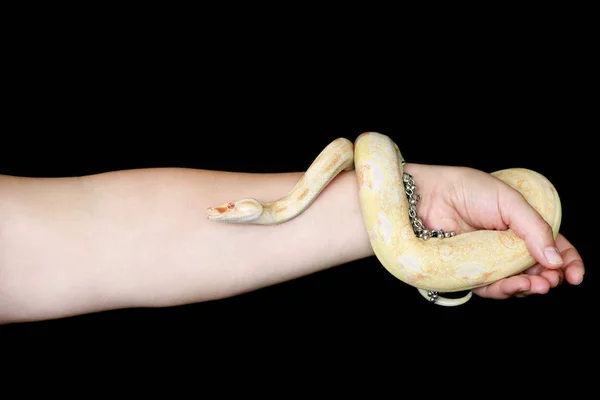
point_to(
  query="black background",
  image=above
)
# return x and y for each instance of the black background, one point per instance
(135, 94)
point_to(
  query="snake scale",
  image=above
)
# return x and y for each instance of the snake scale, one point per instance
(458, 263)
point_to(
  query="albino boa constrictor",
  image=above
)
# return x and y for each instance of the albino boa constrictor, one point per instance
(451, 264)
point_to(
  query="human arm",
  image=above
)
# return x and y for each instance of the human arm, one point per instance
(140, 238)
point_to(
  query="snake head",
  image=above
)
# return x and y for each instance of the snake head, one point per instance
(240, 211)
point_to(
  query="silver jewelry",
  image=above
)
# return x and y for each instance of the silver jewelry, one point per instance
(420, 230)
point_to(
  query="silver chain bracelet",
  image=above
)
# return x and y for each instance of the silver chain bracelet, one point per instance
(417, 223)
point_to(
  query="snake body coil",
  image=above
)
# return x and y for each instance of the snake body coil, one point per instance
(457, 263)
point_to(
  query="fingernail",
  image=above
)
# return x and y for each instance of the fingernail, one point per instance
(553, 256)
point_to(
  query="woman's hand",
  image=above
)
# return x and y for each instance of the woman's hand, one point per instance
(463, 199)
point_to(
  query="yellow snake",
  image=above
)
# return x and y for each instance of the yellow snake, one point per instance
(452, 264)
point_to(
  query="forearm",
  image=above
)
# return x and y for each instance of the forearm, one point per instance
(141, 239)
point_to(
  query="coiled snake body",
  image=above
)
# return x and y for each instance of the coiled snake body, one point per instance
(452, 264)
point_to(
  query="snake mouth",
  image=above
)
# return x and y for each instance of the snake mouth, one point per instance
(212, 212)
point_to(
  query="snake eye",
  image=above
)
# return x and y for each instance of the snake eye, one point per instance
(230, 205)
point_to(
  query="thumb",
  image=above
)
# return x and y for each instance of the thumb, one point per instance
(529, 225)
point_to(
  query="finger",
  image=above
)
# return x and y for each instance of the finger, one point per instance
(529, 225)
(554, 276)
(538, 285)
(518, 286)
(535, 270)
(504, 288)
(574, 268)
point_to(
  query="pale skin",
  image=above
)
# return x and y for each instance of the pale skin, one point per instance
(140, 238)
